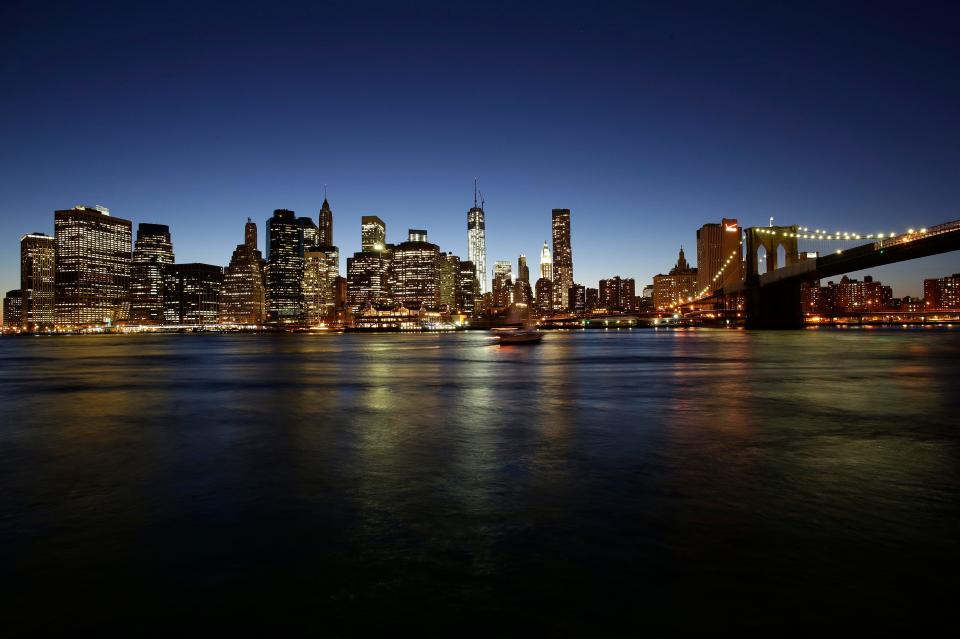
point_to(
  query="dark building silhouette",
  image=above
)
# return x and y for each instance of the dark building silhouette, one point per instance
(577, 296)
(242, 297)
(617, 294)
(191, 294)
(37, 272)
(544, 292)
(468, 288)
(92, 267)
(449, 280)
(152, 252)
(325, 225)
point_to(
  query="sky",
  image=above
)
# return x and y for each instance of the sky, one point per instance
(646, 120)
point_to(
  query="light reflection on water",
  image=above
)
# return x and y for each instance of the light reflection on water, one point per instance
(590, 479)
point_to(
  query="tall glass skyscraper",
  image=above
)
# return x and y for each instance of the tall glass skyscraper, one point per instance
(477, 240)
(373, 233)
(284, 269)
(92, 276)
(416, 268)
(562, 258)
(37, 263)
(152, 252)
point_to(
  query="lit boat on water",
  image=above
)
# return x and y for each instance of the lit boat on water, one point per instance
(508, 336)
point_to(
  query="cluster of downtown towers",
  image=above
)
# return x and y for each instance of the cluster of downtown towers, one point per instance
(92, 273)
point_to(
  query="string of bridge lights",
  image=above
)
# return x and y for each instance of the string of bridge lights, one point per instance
(708, 287)
(822, 234)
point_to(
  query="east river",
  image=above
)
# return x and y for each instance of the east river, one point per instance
(630, 481)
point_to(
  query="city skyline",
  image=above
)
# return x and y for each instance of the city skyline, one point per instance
(693, 128)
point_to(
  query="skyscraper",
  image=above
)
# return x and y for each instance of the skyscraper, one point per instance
(544, 296)
(152, 251)
(242, 294)
(669, 291)
(477, 240)
(37, 264)
(502, 283)
(284, 269)
(449, 280)
(562, 258)
(13, 310)
(546, 262)
(468, 288)
(373, 233)
(368, 279)
(191, 293)
(325, 225)
(416, 269)
(321, 267)
(716, 243)
(92, 266)
(522, 292)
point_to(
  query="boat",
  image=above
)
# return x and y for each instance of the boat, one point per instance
(508, 336)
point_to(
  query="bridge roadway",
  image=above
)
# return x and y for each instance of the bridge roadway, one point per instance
(774, 297)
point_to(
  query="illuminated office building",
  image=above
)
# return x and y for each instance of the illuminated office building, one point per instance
(242, 297)
(502, 283)
(13, 310)
(373, 234)
(368, 279)
(544, 290)
(716, 243)
(449, 280)
(617, 293)
(416, 271)
(477, 240)
(321, 268)
(191, 294)
(675, 288)
(562, 257)
(468, 288)
(152, 251)
(522, 292)
(309, 233)
(37, 271)
(284, 269)
(92, 267)
(578, 298)
(325, 225)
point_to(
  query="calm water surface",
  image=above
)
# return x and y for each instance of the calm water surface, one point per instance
(347, 484)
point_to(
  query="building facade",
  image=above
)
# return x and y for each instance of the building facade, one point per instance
(416, 271)
(544, 291)
(92, 267)
(152, 252)
(37, 272)
(243, 295)
(325, 225)
(449, 281)
(562, 257)
(942, 293)
(368, 279)
(284, 269)
(191, 294)
(477, 241)
(675, 288)
(617, 294)
(546, 262)
(13, 310)
(373, 234)
(502, 283)
(468, 288)
(719, 255)
(321, 268)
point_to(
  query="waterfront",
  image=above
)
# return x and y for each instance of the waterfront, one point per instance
(354, 483)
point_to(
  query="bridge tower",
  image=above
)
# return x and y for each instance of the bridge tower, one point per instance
(773, 305)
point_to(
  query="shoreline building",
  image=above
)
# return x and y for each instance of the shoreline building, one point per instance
(544, 300)
(562, 258)
(242, 296)
(416, 271)
(477, 240)
(671, 290)
(191, 294)
(91, 266)
(13, 310)
(37, 271)
(321, 268)
(468, 288)
(368, 271)
(502, 283)
(617, 294)
(450, 281)
(522, 292)
(716, 243)
(152, 252)
(942, 293)
(284, 269)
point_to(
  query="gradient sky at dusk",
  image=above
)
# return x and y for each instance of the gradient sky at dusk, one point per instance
(645, 121)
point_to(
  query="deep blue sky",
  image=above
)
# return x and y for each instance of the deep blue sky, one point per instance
(645, 121)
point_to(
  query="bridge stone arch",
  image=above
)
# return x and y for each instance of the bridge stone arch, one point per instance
(771, 238)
